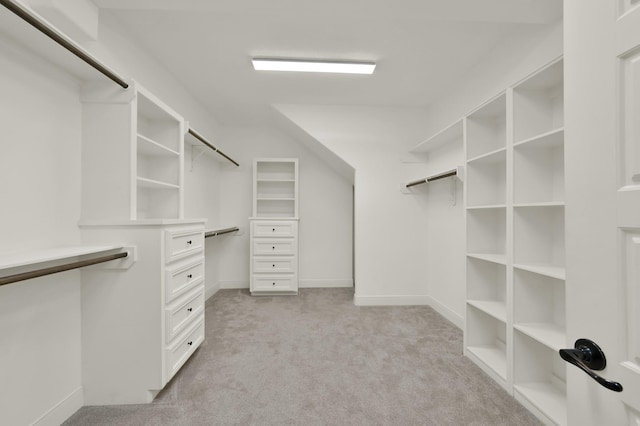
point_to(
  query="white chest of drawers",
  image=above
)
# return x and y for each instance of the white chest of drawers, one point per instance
(274, 256)
(140, 325)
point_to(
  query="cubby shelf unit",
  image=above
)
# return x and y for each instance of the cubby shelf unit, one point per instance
(515, 210)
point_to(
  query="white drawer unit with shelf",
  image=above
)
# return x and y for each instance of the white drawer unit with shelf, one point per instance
(274, 227)
(132, 155)
(140, 325)
(515, 218)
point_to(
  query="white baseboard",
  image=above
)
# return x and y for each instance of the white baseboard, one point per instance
(311, 283)
(233, 284)
(391, 300)
(62, 410)
(454, 317)
(421, 300)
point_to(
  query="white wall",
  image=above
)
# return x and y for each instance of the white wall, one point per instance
(40, 115)
(325, 209)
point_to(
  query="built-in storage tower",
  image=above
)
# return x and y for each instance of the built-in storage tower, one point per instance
(274, 227)
(515, 315)
(139, 324)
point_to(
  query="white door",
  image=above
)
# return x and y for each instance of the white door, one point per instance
(602, 128)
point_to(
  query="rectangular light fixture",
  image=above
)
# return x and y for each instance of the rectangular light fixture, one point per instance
(303, 65)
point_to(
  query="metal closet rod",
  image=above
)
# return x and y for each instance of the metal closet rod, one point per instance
(220, 232)
(9, 279)
(204, 141)
(432, 178)
(62, 40)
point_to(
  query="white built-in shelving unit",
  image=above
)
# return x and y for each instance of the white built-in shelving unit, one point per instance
(274, 227)
(514, 193)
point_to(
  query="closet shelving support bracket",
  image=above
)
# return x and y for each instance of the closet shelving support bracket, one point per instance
(199, 137)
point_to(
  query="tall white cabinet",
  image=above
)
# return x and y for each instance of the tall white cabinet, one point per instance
(274, 227)
(515, 315)
(139, 324)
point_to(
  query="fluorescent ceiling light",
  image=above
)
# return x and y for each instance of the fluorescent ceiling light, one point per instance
(301, 65)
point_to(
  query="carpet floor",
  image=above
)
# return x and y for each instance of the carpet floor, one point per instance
(316, 359)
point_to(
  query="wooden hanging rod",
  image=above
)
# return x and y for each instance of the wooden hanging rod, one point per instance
(204, 141)
(220, 232)
(9, 279)
(41, 25)
(432, 178)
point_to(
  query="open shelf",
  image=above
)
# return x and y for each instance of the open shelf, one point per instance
(486, 128)
(275, 188)
(538, 103)
(150, 148)
(487, 179)
(547, 270)
(539, 169)
(540, 378)
(486, 340)
(155, 184)
(157, 122)
(486, 287)
(449, 135)
(276, 171)
(539, 236)
(500, 259)
(486, 231)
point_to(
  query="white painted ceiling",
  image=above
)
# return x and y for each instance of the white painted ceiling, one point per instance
(421, 46)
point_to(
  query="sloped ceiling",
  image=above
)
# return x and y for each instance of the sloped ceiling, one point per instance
(421, 47)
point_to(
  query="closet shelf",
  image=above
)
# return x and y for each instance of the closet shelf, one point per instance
(152, 148)
(493, 357)
(540, 204)
(551, 335)
(490, 257)
(546, 397)
(274, 180)
(275, 199)
(450, 134)
(155, 184)
(23, 266)
(495, 308)
(496, 156)
(487, 207)
(552, 271)
(551, 139)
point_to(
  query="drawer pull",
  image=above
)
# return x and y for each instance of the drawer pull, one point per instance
(189, 242)
(273, 229)
(190, 276)
(274, 283)
(190, 343)
(273, 248)
(190, 309)
(273, 266)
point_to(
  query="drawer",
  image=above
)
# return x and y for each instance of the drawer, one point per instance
(180, 313)
(276, 246)
(262, 283)
(180, 351)
(275, 264)
(179, 244)
(181, 278)
(274, 229)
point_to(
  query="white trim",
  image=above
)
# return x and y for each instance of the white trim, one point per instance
(62, 410)
(448, 313)
(233, 284)
(325, 283)
(417, 300)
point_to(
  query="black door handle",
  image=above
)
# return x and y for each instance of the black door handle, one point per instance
(588, 356)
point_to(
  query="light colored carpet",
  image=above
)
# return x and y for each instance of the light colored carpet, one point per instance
(316, 359)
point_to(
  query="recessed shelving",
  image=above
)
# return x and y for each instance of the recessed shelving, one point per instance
(540, 377)
(275, 188)
(486, 128)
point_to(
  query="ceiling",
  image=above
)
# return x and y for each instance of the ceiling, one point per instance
(421, 47)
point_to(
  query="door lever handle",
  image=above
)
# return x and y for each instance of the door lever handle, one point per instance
(588, 356)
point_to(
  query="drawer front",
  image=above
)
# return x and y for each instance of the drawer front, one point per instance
(262, 283)
(274, 229)
(183, 243)
(275, 264)
(180, 279)
(277, 246)
(180, 351)
(179, 314)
